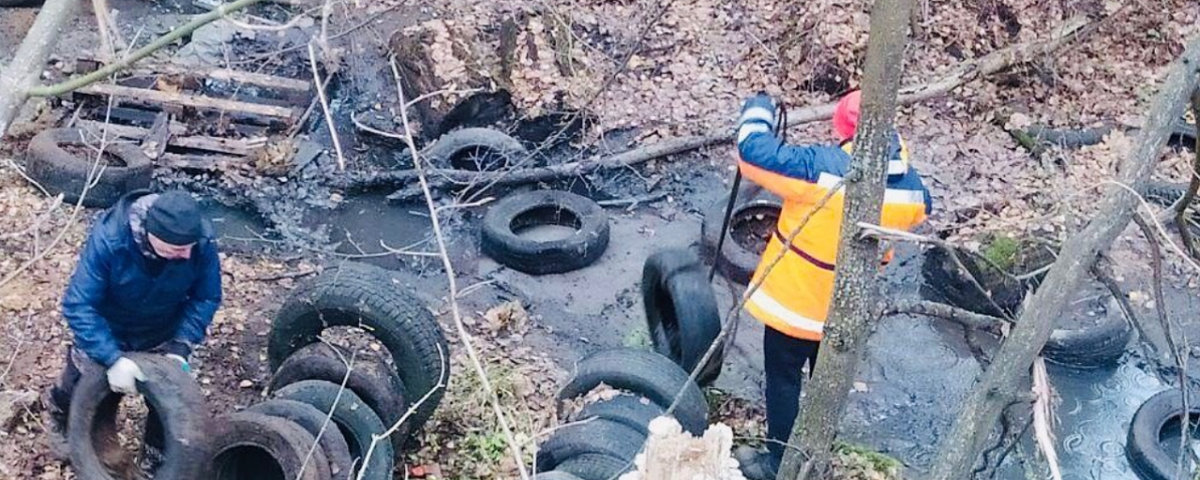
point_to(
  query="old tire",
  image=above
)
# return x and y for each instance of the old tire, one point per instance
(509, 216)
(476, 149)
(736, 262)
(171, 392)
(357, 422)
(1147, 457)
(254, 445)
(595, 437)
(371, 379)
(332, 443)
(633, 411)
(353, 294)
(1099, 343)
(594, 466)
(60, 171)
(644, 373)
(681, 311)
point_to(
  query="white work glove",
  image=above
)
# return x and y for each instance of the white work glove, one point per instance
(124, 375)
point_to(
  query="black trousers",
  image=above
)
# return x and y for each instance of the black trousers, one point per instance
(62, 390)
(783, 361)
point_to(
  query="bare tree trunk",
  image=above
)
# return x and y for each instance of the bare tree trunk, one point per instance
(996, 387)
(855, 308)
(23, 71)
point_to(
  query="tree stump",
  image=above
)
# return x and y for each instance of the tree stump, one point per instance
(672, 454)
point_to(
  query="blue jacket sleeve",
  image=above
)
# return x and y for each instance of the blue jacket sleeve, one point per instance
(204, 299)
(766, 151)
(81, 303)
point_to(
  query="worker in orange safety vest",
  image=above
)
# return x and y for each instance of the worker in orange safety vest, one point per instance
(794, 296)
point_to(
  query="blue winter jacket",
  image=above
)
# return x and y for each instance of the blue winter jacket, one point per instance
(114, 304)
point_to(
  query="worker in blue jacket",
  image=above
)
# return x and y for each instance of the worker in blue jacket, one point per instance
(148, 279)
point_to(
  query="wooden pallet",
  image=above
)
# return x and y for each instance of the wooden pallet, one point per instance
(167, 109)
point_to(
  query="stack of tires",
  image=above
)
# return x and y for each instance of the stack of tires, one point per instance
(347, 401)
(601, 439)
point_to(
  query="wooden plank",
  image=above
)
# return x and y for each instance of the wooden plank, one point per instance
(223, 145)
(198, 142)
(199, 162)
(87, 65)
(155, 97)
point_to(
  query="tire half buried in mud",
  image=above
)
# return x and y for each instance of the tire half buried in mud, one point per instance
(168, 390)
(60, 170)
(356, 294)
(1146, 454)
(1098, 342)
(476, 149)
(261, 447)
(506, 219)
(742, 251)
(681, 311)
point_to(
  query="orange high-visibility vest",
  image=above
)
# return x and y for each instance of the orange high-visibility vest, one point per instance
(795, 297)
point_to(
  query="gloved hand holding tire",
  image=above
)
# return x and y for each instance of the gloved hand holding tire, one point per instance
(124, 375)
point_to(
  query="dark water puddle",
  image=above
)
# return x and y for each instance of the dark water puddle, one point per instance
(236, 229)
(1094, 415)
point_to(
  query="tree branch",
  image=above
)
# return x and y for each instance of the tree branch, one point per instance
(966, 318)
(1185, 231)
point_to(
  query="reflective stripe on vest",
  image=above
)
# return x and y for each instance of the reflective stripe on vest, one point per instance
(771, 306)
(895, 167)
(891, 195)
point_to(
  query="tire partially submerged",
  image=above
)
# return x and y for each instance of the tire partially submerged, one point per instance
(681, 311)
(169, 391)
(476, 149)
(252, 445)
(61, 171)
(1099, 341)
(504, 221)
(355, 294)
(1146, 454)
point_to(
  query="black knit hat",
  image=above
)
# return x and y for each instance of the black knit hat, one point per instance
(174, 217)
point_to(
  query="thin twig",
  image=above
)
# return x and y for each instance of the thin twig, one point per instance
(283, 275)
(337, 399)
(337, 144)
(464, 336)
(376, 438)
(446, 91)
(957, 315)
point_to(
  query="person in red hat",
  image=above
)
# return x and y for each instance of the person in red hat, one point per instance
(794, 296)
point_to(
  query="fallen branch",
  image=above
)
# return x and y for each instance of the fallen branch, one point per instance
(966, 318)
(337, 144)
(283, 275)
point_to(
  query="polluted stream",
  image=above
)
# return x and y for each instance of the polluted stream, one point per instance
(905, 398)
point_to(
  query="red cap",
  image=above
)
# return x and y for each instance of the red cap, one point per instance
(845, 117)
